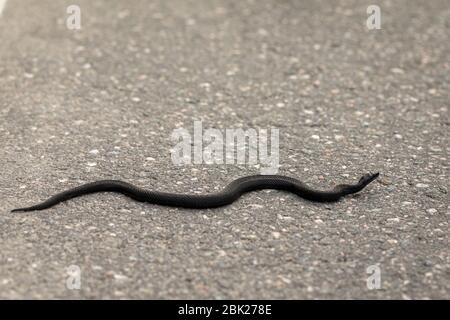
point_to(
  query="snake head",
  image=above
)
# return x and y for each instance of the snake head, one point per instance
(353, 188)
(368, 178)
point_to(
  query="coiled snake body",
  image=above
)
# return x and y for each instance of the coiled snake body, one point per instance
(228, 195)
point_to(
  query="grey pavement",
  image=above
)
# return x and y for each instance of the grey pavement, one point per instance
(102, 102)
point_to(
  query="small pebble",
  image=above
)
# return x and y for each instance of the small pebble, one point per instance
(397, 71)
(120, 277)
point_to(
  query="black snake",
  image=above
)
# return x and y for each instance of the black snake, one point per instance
(228, 195)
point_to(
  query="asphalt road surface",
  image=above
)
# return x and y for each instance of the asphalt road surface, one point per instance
(102, 102)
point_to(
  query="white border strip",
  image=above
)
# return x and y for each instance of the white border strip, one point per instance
(2, 6)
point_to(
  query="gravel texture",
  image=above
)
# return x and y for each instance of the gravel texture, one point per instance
(102, 102)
